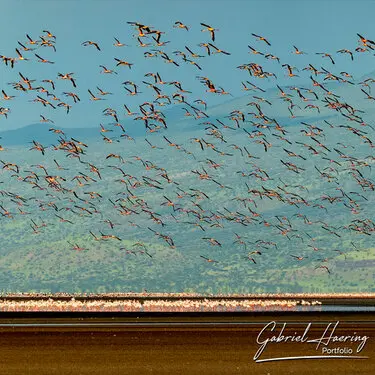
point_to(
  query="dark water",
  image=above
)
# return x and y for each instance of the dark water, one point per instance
(190, 349)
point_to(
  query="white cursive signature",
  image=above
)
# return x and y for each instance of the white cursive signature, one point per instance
(269, 334)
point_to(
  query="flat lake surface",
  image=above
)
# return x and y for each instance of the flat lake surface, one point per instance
(177, 344)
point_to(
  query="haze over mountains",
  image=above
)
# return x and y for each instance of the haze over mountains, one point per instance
(135, 179)
(178, 122)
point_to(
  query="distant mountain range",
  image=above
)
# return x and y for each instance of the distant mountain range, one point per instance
(177, 121)
(40, 132)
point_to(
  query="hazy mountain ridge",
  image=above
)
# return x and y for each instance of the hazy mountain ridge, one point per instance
(177, 121)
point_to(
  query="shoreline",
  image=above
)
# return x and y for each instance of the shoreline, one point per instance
(185, 302)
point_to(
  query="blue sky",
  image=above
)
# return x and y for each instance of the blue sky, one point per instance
(313, 26)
